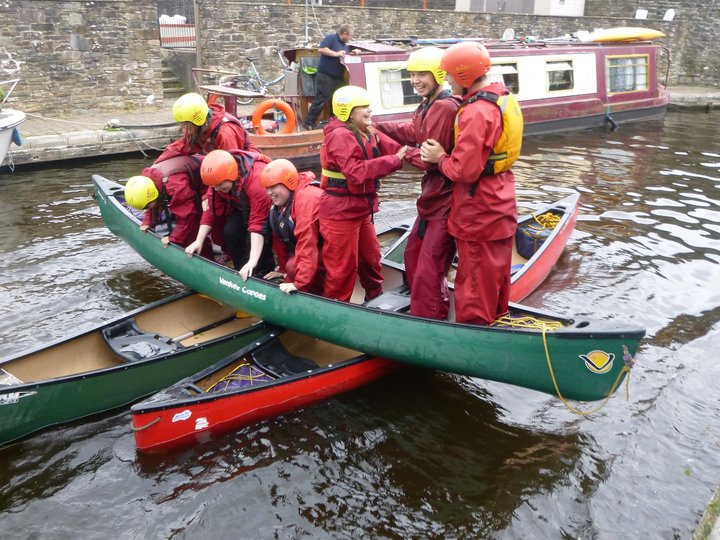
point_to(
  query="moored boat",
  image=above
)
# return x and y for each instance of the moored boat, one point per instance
(579, 359)
(279, 372)
(561, 84)
(118, 362)
(10, 119)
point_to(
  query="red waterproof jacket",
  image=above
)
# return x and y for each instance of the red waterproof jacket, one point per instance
(178, 181)
(343, 154)
(430, 121)
(225, 132)
(305, 210)
(483, 207)
(221, 204)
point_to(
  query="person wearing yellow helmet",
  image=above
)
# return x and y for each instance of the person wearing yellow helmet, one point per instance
(354, 157)
(430, 249)
(237, 206)
(170, 192)
(483, 211)
(205, 128)
(294, 223)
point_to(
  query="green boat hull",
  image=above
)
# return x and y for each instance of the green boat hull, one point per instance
(28, 408)
(584, 360)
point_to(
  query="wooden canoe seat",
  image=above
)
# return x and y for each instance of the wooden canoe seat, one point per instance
(397, 299)
(133, 344)
(276, 360)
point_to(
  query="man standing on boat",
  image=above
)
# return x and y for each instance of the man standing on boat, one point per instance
(483, 212)
(430, 249)
(330, 72)
(295, 225)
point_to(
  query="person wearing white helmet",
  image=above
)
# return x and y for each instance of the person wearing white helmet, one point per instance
(430, 249)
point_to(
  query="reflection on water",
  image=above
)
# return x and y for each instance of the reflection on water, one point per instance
(418, 454)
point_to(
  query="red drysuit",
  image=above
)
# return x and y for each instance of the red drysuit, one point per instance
(483, 213)
(430, 248)
(346, 208)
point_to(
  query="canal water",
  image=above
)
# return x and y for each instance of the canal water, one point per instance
(419, 454)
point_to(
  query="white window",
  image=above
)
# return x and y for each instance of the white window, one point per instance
(395, 89)
(627, 73)
(559, 76)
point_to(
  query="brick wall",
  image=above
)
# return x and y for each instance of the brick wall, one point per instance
(105, 54)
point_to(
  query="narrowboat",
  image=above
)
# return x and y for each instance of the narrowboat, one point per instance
(610, 78)
(10, 119)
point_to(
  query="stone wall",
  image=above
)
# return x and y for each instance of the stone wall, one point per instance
(105, 54)
(73, 56)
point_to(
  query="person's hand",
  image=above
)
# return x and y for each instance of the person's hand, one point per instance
(355, 51)
(340, 54)
(246, 271)
(165, 241)
(193, 248)
(144, 227)
(287, 288)
(274, 275)
(401, 153)
(431, 151)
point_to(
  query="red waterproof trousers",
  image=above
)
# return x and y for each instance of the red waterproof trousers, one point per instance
(482, 291)
(350, 244)
(427, 262)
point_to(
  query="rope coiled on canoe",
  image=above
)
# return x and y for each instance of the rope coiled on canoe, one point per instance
(527, 322)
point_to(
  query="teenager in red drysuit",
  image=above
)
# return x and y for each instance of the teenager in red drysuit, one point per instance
(238, 197)
(430, 248)
(205, 128)
(483, 213)
(295, 226)
(354, 158)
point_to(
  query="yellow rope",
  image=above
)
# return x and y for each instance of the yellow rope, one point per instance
(548, 220)
(559, 394)
(233, 376)
(528, 322)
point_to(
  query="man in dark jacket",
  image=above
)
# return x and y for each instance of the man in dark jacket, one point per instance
(331, 72)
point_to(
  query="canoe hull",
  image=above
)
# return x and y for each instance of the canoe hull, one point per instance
(27, 408)
(514, 356)
(167, 422)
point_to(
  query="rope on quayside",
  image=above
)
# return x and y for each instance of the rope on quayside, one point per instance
(532, 322)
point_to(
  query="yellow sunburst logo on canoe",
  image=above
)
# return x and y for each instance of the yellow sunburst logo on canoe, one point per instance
(598, 361)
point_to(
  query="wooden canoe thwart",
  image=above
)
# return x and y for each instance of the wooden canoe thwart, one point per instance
(578, 358)
(118, 362)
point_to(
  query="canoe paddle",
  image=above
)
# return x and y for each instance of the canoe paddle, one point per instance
(237, 315)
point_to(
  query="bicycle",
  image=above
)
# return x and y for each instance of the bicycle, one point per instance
(253, 81)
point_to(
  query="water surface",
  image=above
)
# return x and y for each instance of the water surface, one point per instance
(418, 454)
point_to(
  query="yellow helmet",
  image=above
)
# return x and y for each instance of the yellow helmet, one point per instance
(346, 98)
(191, 107)
(427, 59)
(140, 191)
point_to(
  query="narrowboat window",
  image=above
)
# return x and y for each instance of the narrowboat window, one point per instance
(626, 74)
(559, 76)
(507, 74)
(396, 90)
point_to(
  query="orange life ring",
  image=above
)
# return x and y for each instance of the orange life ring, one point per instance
(268, 104)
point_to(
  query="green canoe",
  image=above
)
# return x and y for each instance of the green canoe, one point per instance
(582, 359)
(119, 362)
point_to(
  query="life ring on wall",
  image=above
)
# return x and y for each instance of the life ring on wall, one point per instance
(265, 106)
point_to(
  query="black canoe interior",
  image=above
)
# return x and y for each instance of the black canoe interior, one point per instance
(288, 354)
(92, 351)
